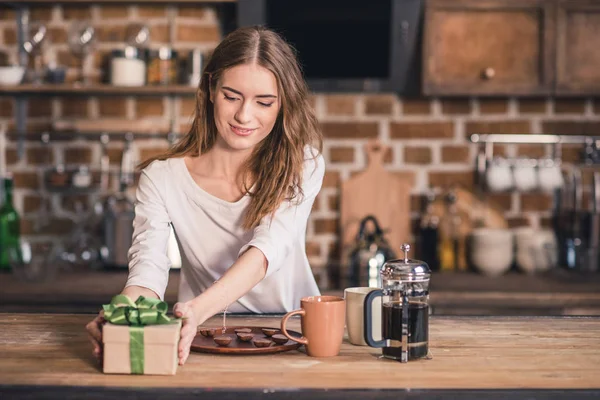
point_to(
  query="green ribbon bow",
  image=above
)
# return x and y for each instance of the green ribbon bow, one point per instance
(145, 311)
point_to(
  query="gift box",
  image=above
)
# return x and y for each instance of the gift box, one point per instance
(139, 338)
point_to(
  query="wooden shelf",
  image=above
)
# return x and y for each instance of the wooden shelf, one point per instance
(47, 89)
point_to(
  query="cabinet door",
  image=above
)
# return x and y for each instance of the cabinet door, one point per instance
(578, 47)
(488, 47)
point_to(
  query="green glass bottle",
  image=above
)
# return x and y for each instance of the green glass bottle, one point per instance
(10, 226)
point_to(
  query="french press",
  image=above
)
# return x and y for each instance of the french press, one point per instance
(405, 309)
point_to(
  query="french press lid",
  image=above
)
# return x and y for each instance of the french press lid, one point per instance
(405, 269)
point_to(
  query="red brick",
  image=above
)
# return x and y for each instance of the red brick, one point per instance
(74, 107)
(78, 155)
(197, 33)
(416, 106)
(151, 11)
(571, 127)
(455, 154)
(379, 105)
(493, 106)
(152, 152)
(340, 104)
(39, 156)
(112, 106)
(27, 180)
(7, 13)
(456, 106)
(188, 106)
(195, 11)
(11, 157)
(502, 201)
(331, 179)
(446, 179)
(40, 13)
(326, 226)
(40, 107)
(532, 106)
(111, 12)
(78, 13)
(114, 155)
(313, 249)
(112, 33)
(351, 130)
(6, 107)
(149, 107)
(417, 155)
(571, 153)
(31, 203)
(517, 222)
(536, 202)
(425, 130)
(333, 202)
(56, 226)
(510, 127)
(341, 154)
(10, 36)
(160, 33)
(569, 106)
(57, 35)
(531, 150)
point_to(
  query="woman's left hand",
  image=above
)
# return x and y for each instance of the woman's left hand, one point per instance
(188, 329)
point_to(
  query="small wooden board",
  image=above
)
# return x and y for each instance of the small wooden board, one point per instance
(207, 344)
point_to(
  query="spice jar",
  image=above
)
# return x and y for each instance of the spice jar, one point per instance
(162, 66)
(128, 67)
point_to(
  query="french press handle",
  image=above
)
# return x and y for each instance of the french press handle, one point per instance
(368, 317)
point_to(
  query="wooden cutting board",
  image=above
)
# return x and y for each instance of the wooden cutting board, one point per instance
(380, 193)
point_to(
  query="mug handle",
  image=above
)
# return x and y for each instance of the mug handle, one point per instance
(368, 316)
(287, 316)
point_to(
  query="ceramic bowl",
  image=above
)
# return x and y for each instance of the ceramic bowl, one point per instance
(11, 75)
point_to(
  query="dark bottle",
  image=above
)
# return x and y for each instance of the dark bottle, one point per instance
(428, 235)
(9, 226)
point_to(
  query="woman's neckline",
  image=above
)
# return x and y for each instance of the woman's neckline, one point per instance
(200, 190)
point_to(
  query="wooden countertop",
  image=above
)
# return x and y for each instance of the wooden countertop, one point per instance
(467, 353)
(556, 293)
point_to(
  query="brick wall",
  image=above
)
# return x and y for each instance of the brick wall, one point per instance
(427, 136)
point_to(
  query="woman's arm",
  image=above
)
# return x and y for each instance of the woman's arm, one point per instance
(243, 275)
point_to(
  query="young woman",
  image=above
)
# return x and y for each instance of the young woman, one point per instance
(237, 189)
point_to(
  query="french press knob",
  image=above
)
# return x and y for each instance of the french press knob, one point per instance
(405, 312)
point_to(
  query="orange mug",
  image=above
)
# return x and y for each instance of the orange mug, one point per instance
(322, 322)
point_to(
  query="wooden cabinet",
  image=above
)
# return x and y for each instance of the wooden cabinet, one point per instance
(488, 47)
(578, 47)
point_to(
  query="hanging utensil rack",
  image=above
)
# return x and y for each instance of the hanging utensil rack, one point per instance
(486, 150)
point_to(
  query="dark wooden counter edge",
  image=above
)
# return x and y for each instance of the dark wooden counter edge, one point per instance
(93, 393)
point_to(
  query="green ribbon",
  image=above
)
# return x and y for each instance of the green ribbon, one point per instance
(145, 311)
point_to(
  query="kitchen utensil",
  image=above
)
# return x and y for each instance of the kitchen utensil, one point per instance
(376, 192)
(368, 255)
(355, 323)
(32, 266)
(499, 176)
(525, 175)
(405, 309)
(12, 75)
(593, 254)
(206, 344)
(491, 250)
(322, 322)
(194, 67)
(118, 216)
(137, 34)
(38, 34)
(82, 39)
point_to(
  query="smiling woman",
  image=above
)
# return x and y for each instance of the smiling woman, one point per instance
(237, 190)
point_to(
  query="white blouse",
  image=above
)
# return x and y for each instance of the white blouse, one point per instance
(210, 237)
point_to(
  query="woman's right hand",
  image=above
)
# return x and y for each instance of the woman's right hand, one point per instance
(94, 329)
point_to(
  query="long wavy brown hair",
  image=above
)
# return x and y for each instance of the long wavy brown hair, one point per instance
(274, 169)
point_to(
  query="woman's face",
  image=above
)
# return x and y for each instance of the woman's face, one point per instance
(246, 104)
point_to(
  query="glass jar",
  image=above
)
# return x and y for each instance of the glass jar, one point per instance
(162, 66)
(128, 67)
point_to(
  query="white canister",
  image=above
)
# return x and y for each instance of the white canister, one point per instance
(128, 67)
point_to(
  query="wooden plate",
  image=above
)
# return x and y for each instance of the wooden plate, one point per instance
(207, 344)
